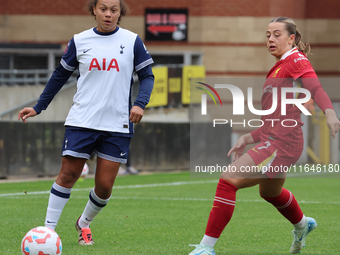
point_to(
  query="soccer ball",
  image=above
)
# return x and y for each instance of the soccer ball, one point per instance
(85, 171)
(41, 241)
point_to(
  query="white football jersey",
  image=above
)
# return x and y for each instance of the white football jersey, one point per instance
(106, 62)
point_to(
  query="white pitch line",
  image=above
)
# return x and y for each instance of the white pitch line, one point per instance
(191, 199)
(117, 187)
(159, 198)
(211, 199)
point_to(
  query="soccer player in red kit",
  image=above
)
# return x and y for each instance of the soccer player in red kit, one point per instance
(280, 145)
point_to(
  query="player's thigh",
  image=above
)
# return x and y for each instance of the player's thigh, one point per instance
(106, 172)
(111, 151)
(77, 148)
(243, 173)
(70, 171)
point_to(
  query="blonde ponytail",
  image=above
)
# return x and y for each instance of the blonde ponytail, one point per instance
(302, 46)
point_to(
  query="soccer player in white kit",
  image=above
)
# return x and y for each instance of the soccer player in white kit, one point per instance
(102, 115)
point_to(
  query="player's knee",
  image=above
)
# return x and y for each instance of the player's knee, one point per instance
(68, 176)
(103, 191)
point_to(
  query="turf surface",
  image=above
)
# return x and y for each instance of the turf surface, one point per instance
(164, 213)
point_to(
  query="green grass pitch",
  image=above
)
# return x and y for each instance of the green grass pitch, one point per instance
(164, 213)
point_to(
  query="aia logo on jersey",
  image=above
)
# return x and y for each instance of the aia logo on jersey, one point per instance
(104, 65)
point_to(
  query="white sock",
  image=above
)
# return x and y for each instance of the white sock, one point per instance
(301, 224)
(92, 208)
(58, 199)
(208, 240)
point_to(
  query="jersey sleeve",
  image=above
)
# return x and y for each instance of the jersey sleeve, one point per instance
(256, 135)
(142, 63)
(300, 68)
(62, 73)
(311, 82)
(146, 80)
(55, 83)
(69, 59)
(142, 57)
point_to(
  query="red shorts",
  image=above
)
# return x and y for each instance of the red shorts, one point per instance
(271, 159)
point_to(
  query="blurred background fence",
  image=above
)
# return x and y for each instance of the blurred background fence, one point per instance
(219, 38)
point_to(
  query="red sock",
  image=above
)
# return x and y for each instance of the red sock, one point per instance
(287, 205)
(223, 208)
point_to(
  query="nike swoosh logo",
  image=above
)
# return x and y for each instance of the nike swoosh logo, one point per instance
(122, 154)
(50, 221)
(301, 237)
(255, 150)
(87, 219)
(87, 50)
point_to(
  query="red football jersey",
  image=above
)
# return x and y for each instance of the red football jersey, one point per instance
(286, 73)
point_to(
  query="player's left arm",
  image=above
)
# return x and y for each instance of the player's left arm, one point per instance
(146, 80)
(311, 82)
(142, 63)
(333, 122)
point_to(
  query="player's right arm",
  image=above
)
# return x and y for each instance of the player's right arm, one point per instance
(59, 77)
(26, 113)
(240, 145)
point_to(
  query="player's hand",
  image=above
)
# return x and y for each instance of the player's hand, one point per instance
(136, 114)
(238, 148)
(333, 122)
(26, 113)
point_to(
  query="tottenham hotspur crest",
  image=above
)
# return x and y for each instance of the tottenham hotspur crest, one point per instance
(122, 47)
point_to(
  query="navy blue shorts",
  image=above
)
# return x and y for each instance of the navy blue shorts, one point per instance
(81, 142)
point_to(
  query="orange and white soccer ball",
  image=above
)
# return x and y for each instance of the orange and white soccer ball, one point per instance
(85, 171)
(41, 241)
